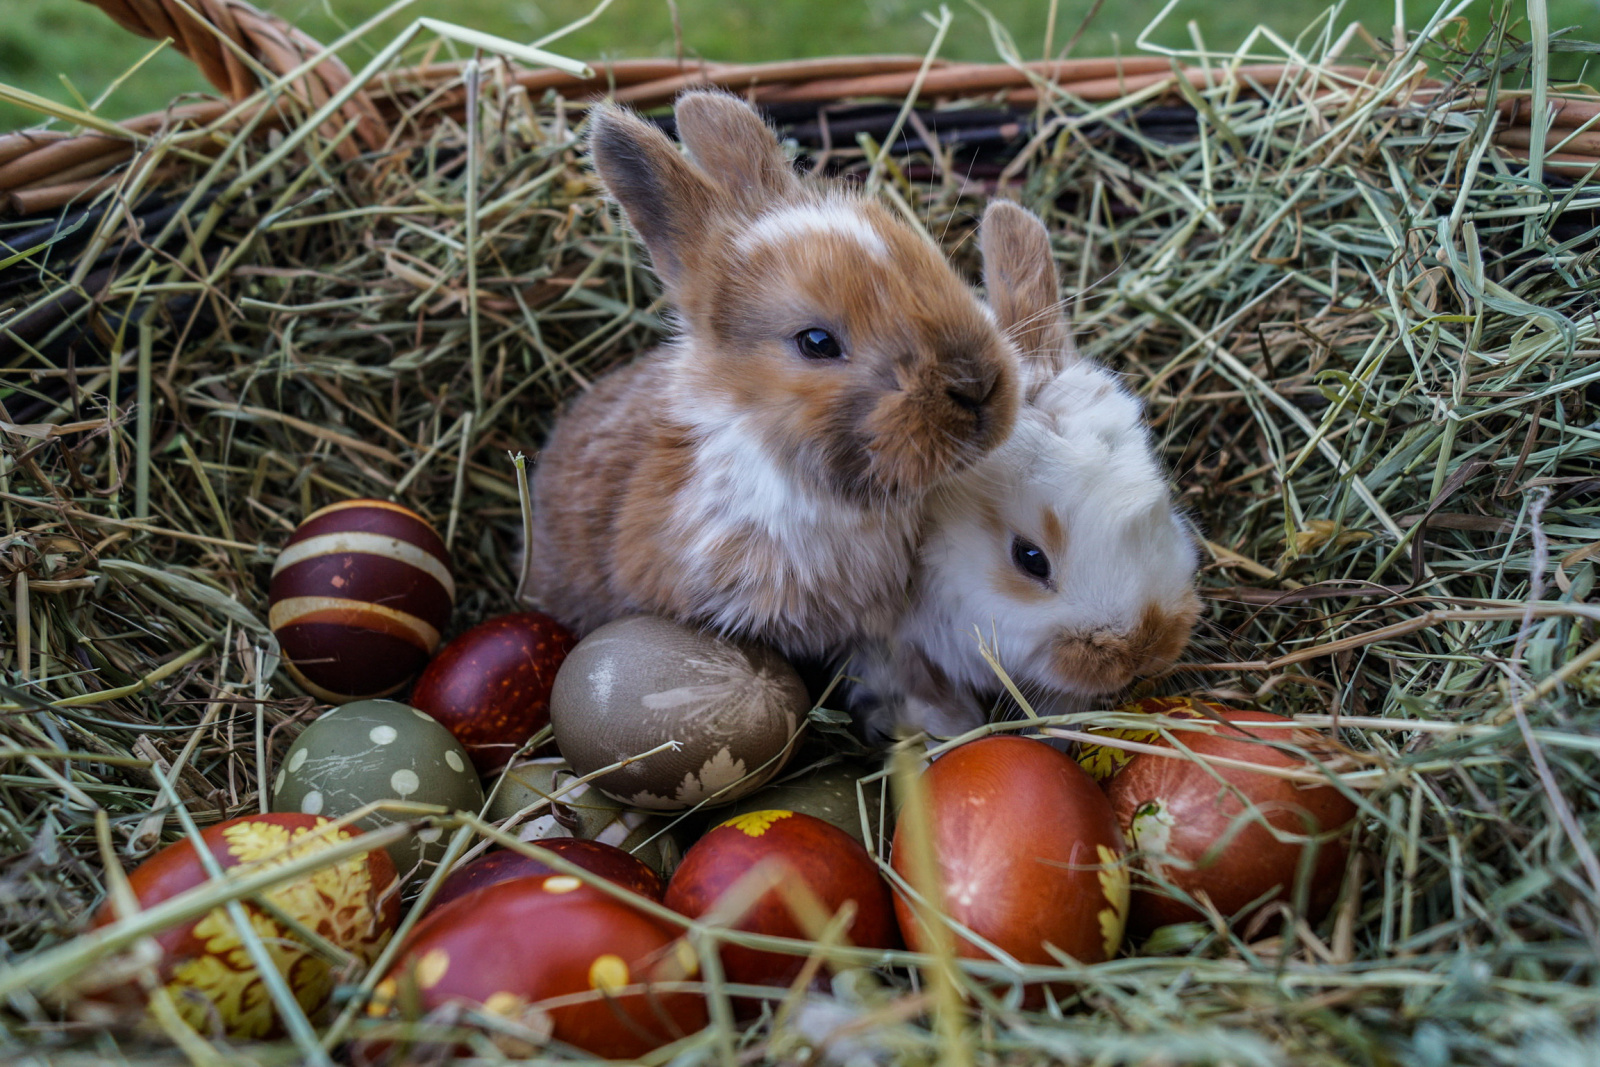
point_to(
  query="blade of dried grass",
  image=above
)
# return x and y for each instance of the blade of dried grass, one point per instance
(1332, 259)
(916, 821)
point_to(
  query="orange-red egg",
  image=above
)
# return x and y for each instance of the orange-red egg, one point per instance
(597, 857)
(805, 851)
(1104, 761)
(510, 948)
(1026, 850)
(205, 966)
(1231, 835)
(491, 686)
(358, 598)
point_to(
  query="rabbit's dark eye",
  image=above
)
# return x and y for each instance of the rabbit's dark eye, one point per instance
(1030, 559)
(818, 344)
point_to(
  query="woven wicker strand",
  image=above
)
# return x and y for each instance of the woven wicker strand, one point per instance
(230, 29)
(41, 170)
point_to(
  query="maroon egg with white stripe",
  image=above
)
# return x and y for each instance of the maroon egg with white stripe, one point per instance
(358, 599)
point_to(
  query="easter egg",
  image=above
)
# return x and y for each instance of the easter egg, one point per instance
(607, 861)
(491, 686)
(804, 850)
(564, 808)
(373, 750)
(733, 711)
(827, 792)
(358, 598)
(1026, 850)
(204, 964)
(1104, 761)
(1229, 834)
(509, 948)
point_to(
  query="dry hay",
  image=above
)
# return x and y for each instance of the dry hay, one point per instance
(1366, 332)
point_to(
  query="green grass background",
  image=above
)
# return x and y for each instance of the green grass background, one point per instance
(67, 48)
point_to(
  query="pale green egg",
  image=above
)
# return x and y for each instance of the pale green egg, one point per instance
(557, 805)
(827, 792)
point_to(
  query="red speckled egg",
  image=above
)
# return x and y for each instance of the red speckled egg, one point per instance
(1200, 815)
(358, 598)
(510, 947)
(491, 686)
(828, 861)
(608, 861)
(1104, 761)
(1027, 853)
(204, 964)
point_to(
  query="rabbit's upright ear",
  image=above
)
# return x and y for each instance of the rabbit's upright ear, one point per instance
(1019, 273)
(736, 149)
(667, 201)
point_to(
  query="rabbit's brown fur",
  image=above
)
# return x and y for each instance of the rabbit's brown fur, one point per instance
(725, 478)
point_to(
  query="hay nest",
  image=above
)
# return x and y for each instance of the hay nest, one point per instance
(1355, 279)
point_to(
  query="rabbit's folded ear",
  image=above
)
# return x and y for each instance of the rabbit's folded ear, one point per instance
(1019, 273)
(736, 149)
(667, 201)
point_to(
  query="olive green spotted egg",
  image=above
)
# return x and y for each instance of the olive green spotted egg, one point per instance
(373, 750)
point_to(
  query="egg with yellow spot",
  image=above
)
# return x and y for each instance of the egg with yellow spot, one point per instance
(377, 750)
(502, 865)
(832, 792)
(608, 973)
(521, 944)
(802, 852)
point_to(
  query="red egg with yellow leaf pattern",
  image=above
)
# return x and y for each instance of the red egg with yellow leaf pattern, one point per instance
(1027, 853)
(205, 966)
(1222, 833)
(510, 948)
(491, 686)
(805, 853)
(1103, 762)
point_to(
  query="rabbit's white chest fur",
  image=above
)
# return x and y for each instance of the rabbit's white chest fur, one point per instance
(767, 554)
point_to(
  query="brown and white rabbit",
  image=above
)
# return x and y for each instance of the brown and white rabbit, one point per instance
(763, 472)
(1061, 549)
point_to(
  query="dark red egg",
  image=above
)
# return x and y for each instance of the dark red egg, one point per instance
(1026, 850)
(358, 598)
(1233, 835)
(1103, 762)
(597, 857)
(204, 964)
(509, 948)
(491, 686)
(826, 860)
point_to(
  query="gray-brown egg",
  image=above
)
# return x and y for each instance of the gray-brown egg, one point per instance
(735, 712)
(374, 750)
(564, 807)
(828, 793)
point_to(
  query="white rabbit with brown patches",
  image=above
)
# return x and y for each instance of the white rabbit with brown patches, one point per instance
(1061, 549)
(763, 472)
